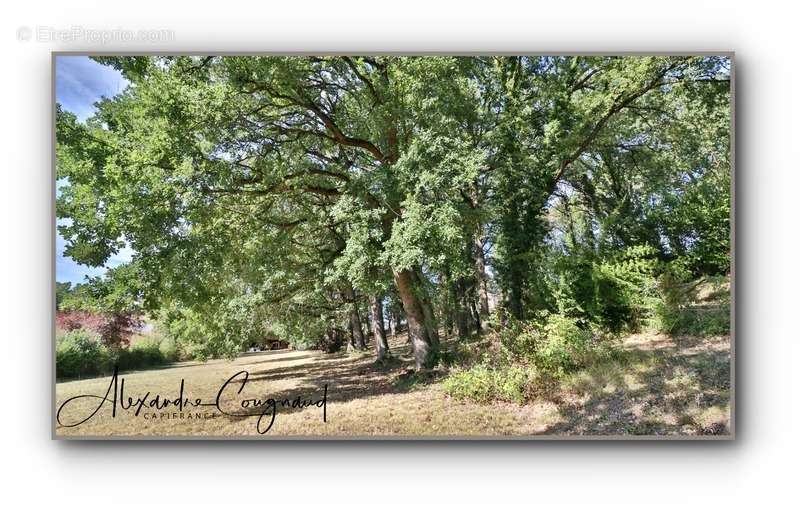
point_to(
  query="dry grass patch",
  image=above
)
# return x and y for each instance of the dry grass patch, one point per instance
(661, 385)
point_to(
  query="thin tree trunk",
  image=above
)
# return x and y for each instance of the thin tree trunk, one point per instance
(392, 323)
(358, 333)
(459, 312)
(368, 319)
(476, 315)
(515, 297)
(483, 288)
(355, 320)
(351, 340)
(423, 349)
(378, 331)
(398, 319)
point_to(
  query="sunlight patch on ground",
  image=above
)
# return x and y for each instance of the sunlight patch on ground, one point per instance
(667, 386)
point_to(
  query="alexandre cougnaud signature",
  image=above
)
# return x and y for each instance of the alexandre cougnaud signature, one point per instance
(265, 409)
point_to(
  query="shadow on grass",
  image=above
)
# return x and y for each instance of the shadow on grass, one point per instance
(349, 376)
(660, 392)
(677, 386)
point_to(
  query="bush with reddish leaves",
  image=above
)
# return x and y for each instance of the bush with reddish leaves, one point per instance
(115, 330)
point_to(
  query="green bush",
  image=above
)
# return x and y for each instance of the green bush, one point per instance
(626, 290)
(169, 349)
(527, 357)
(482, 383)
(518, 339)
(554, 343)
(565, 346)
(143, 353)
(700, 321)
(680, 311)
(615, 294)
(80, 354)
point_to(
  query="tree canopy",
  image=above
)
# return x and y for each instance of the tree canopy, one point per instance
(283, 194)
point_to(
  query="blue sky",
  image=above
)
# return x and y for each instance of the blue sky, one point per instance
(80, 82)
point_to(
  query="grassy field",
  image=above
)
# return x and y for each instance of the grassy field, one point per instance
(663, 386)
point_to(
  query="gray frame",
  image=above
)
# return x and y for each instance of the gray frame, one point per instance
(629, 438)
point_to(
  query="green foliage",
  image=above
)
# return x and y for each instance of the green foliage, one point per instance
(527, 358)
(80, 354)
(144, 353)
(680, 309)
(563, 346)
(169, 349)
(554, 343)
(257, 192)
(697, 321)
(196, 334)
(482, 383)
(626, 289)
(615, 294)
(62, 290)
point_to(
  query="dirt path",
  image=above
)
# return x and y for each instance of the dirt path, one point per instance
(667, 386)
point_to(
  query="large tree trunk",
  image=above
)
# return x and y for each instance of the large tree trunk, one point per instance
(422, 346)
(378, 331)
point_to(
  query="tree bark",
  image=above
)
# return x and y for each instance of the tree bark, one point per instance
(355, 320)
(476, 315)
(431, 326)
(358, 333)
(423, 349)
(483, 289)
(459, 310)
(392, 323)
(515, 297)
(378, 331)
(351, 340)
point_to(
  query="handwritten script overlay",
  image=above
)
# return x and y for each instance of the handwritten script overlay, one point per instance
(265, 409)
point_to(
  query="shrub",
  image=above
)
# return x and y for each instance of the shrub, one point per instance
(626, 289)
(518, 339)
(144, 353)
(615, 293)
(169, 349)
(554, 343)
(681, 312)
(80, 354)
(113, 328)
(700, 321)
(482, 383)
(565, 346)
(528, 356)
